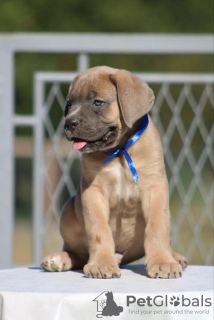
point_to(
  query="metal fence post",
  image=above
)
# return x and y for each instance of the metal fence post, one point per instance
(6, 158)
(82, 62)
(37, 172)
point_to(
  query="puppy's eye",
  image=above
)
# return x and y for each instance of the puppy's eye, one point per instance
(67, 106)
(99, 103)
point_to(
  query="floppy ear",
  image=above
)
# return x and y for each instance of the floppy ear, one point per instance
(135, 97)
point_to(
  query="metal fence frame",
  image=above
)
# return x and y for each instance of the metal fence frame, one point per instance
(44, 103)
(82, 45)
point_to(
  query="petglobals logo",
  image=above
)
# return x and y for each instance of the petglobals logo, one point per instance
(169, 305)
(134, 306)
(165, 301)
(106, 305)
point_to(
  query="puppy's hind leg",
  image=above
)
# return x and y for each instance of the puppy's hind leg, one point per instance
(74, 254)
(62, 261)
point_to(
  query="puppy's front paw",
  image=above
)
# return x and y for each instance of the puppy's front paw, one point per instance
(102, 270)
(57, 262)
(166, 270)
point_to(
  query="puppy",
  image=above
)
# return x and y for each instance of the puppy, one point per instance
(121, 210)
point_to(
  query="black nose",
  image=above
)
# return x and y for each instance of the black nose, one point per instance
(71, 124)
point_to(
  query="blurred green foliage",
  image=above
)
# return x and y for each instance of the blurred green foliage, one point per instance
(136, 16)
(193, 16)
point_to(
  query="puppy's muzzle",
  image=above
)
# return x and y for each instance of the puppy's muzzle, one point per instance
(71, 124)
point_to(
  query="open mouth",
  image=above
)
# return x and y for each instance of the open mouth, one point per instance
(79, 144)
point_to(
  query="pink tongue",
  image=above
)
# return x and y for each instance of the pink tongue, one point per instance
(79, 144)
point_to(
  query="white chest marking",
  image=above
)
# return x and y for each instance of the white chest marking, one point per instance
(123, 189)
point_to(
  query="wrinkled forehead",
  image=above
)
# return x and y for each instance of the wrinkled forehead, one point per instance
(89, 85)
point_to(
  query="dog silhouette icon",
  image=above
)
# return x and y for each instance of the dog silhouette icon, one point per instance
(111, 308)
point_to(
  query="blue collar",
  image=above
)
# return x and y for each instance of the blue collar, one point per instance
(127, 145)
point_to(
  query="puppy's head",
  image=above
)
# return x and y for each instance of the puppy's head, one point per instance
(102, 104)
